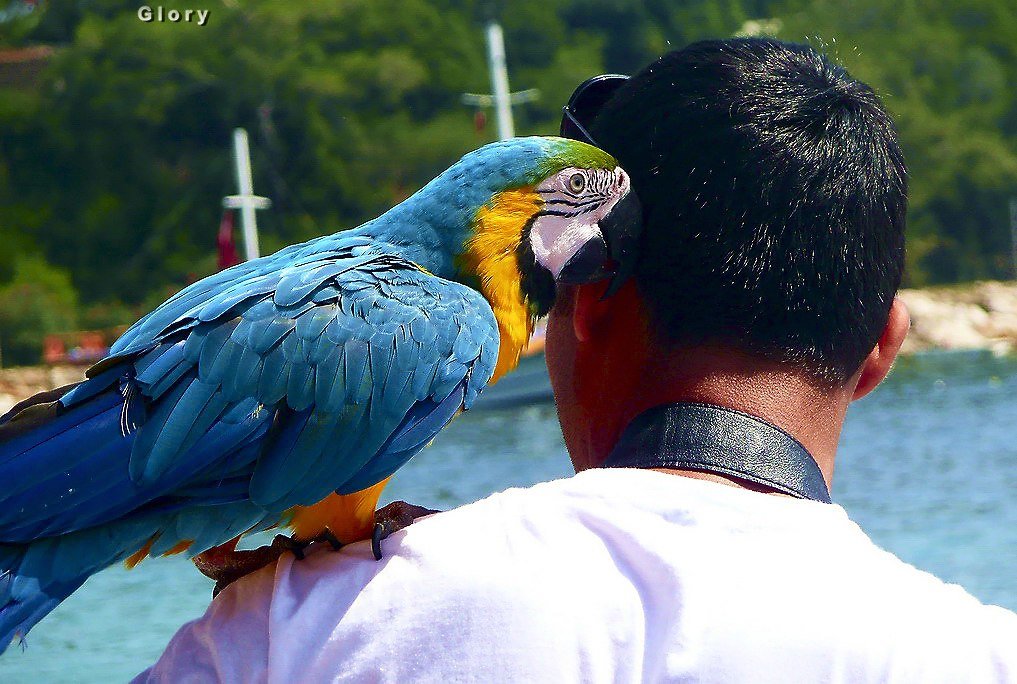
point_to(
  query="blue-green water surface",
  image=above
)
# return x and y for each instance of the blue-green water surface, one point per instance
(927, 466)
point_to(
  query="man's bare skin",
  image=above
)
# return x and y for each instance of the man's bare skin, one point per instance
(607, 367)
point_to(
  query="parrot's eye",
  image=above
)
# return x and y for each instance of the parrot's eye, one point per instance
(577, 182)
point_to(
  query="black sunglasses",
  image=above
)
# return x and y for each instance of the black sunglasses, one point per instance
(586, 102)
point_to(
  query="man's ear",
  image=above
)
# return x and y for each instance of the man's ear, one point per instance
(877, 364)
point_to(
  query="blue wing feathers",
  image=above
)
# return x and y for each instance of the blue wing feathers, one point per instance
(271, 386)
(265, 487)
(243, 381)
(423, 377)
(350, 427)
(240, 294)
(97, 489)
(330, 384)
(196, 410)
(306, 450)
(267, 332)
(385, 373)
(311, 325)
(41, 477)
(421, 424)
(321, 349)
(217, 344)
(68, 501)
(300, 388)
(359, 381)
(162, 366)
(145, 439)
(326, 294)
(423, 331)
(224, 523)
(93, 386)
(152, 365)
(364, 444)
(58, 433)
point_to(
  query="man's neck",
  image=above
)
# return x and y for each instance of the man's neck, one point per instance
(788, 399)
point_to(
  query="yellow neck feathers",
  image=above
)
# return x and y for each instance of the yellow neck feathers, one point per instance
(492, 255)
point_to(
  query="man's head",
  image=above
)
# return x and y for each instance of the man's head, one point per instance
(774, 194)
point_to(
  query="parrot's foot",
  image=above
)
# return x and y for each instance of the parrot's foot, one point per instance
(284, 544)
(332, 540)
(392, 518)
(226, 565)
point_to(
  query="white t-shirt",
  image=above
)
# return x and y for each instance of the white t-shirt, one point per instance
(613, 575)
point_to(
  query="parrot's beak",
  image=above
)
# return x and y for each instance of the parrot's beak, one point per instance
(588, 264)
(622, 229)
(613, 253)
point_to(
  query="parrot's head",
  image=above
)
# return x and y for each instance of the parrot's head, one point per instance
(560, 211)
(546, 211)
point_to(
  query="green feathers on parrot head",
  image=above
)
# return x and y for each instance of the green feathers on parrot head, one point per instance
(557, 211)
(562, 153)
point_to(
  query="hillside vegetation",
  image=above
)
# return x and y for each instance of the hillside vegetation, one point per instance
(114, 161)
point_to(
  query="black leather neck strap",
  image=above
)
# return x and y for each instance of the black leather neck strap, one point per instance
(714, 439)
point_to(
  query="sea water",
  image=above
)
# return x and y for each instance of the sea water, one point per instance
(927, 466)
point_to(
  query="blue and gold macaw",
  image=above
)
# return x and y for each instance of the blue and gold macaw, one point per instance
(288, 389)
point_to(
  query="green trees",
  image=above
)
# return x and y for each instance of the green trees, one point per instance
(38, 300)
(948, 72)
(113, 166)
(128, 137)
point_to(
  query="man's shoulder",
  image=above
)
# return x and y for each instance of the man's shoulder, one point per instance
(502, 528)
(552, 532)
(704, 533)
(580, 570)
(507, 543)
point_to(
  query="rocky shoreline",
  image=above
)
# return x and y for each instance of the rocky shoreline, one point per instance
(975, 316)
(979, 315)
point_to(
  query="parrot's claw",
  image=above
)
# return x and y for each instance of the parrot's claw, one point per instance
(226, 565)
(332, 540)
(377, 535)
(285, 543)
(393, 518)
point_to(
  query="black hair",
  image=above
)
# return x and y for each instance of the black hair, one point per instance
(774, 193)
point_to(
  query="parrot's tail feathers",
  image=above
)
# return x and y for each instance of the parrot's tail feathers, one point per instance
(47, 461)
(48, 414)
(36, 577)
(24, 601)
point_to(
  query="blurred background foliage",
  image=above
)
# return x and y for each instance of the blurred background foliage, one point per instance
(115, 155)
